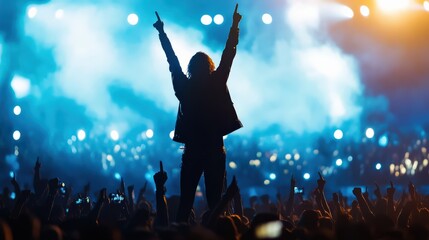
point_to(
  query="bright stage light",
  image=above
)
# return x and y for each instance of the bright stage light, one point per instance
(59, 14)
(347, 12)
(21, 86)
(369, 133)
(273, 176)
(149, 133)
(383, 141)
(16, 135)
(114, 135)
(393, 5)
(218, 19)
(81, 135)
(232, 165)
(32, 12)
(206, 20)
(266, 182)
(378, 166)
(364, 11)
(118, 176)
(171, 134)
(426, 5)
(17, 110)
(306, 176)
(267, 18)
(339, 162)
(133, 19)
(338, 134)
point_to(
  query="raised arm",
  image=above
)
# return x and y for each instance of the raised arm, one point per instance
(176, 71)
(162, 218)
(230, 48)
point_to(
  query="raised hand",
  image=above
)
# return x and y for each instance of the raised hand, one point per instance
(160, 177)
(357, 191)
(377, 191)
(158, 25)
(292, 182)
(391, 190)
(37, 165)
(321, 182)
(232, 189)
(236, 17)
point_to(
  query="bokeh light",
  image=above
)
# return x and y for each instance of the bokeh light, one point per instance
(267, 18)
(133, 19)
(59, 14)
(81, 135)
(306, 176)
(16, 135)
(206, 19)
(218, 19)
(32, 12)
(338, 134)
(149, 133)
(393, 5)
(17, 110)
(114, 135)
(369, 133)
(364, 11)
(378, 166)
(339, 162)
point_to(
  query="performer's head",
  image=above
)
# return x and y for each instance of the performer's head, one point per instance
(200, 65)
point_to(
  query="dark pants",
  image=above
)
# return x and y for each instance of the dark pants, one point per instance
(194, 163)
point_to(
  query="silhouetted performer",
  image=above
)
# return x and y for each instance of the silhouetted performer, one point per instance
(206, 113)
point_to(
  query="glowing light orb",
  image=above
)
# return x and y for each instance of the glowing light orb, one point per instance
(346, 12)
(114, 135)
(218, 19)
(364, 11)
(369, 133)
(21, 86)
(339, 162)
(117, 176)
(338, 134)
(17, 110)
(378, 166)
(426, 5)
(81, 135)
(149, 133)
(206, 20)
(133, 19)
(232, 165)
(267, 18)
(266, 182)
(306, 176)
(16, 135)
(32, 12)
(59, 14)
(273, 176)
(383, 141)
(393, 5)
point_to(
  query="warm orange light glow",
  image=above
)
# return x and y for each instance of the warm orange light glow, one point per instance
(393, 5)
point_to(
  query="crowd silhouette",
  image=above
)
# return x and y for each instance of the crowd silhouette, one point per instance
(53, 211)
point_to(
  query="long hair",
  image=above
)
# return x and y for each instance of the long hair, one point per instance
(200, 64)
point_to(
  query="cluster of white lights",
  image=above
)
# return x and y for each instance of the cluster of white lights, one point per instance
(207, 19)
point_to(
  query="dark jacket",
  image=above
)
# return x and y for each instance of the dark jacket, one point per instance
(205, 108)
